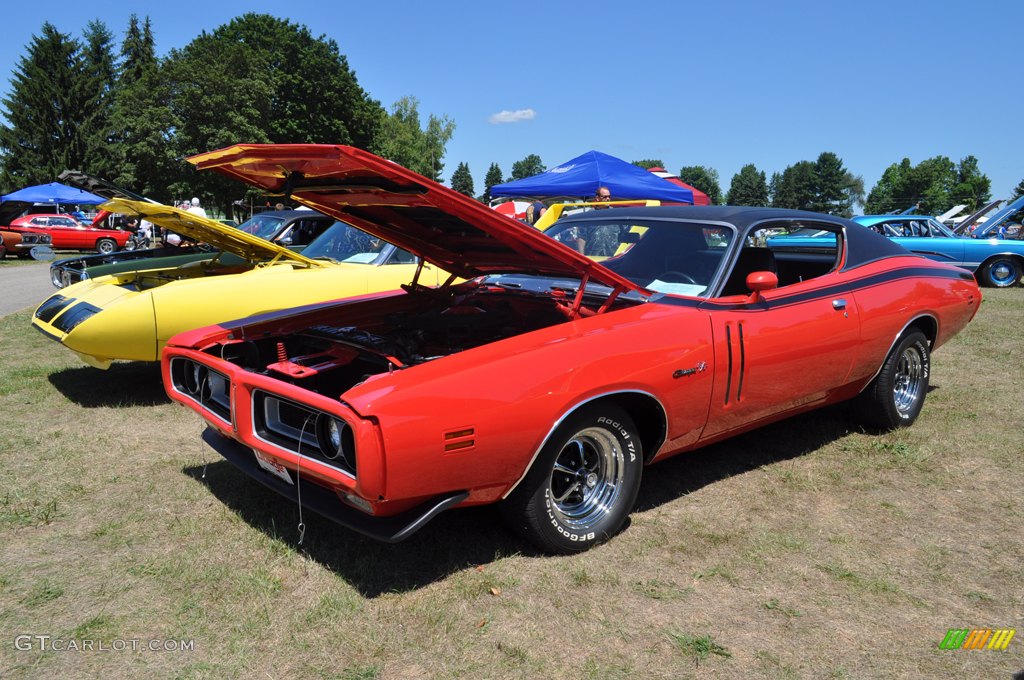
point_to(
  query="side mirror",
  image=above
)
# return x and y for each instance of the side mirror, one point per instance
(757, 282)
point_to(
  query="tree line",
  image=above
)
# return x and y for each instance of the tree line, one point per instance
(127, 115)
(822, 185)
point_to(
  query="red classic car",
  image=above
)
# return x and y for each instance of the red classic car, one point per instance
(67, 233)
(567, 362)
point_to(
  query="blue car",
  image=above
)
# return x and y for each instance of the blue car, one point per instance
(995, 260)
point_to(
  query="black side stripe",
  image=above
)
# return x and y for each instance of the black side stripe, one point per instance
(743, 361)
(829, 291)
(728, 375)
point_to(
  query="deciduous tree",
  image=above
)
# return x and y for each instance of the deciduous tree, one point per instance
(934, 184)
(403, 141)
(649, 163)
(704, 178)
(527, 167)
(263, 79)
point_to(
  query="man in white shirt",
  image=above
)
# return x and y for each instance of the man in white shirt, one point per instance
(197, 209)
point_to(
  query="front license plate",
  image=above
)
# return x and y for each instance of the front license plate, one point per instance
(273, 467)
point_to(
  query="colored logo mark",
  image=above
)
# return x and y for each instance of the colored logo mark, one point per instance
(979, 638)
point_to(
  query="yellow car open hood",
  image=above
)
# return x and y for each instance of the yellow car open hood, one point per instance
(204, 230)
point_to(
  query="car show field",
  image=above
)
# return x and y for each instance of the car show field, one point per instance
(811, 547)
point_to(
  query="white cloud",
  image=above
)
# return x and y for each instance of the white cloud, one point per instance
(512, 116)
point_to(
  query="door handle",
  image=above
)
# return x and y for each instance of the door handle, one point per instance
(839, 303)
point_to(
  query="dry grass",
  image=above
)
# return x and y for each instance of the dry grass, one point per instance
(807, 549)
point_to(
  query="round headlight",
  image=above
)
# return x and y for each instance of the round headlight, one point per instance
(333, 436)
(329, 436)
(195, 379)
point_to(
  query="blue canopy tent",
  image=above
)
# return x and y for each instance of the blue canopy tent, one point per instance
(54, 192)
(584, 174)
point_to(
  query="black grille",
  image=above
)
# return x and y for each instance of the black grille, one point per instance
(300, 429)
(206, 387)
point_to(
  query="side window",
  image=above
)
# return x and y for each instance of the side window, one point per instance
(794, 251)
(401, 257)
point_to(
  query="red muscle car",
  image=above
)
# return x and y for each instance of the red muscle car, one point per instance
(68, 233)
(566, 364)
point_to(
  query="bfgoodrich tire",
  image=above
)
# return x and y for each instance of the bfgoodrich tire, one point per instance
(582, 485)
(106, 246)
(896, 395)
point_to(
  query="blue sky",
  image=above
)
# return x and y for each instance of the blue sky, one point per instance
(720, 84)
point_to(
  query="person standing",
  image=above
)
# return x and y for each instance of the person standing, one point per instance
(197, 209)
(145, 232)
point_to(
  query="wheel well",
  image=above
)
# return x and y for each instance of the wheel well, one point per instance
(980, 271)
(927, 325)
(648, 415)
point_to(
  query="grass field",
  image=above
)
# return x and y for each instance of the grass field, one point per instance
(807, 549)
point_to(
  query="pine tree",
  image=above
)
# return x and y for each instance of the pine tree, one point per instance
(1018, 191)
(796, 187)
(462, 181)
(142, 119)
(749, 187)
(95, 100)
(492, 177)
(40, 139)
(830, 195)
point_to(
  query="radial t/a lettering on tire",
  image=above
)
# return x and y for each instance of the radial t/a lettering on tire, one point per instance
(896, 395)
(583, 484)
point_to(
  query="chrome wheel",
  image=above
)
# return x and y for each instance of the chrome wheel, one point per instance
(909, 380)
(896, 396)
(587, 478)
(583, 484)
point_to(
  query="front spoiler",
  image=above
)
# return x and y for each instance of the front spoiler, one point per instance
(321, 501)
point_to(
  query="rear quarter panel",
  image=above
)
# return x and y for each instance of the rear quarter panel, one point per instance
(893, 292)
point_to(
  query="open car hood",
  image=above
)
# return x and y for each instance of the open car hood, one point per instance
(9, 210)
(204, 230)
(444, 227)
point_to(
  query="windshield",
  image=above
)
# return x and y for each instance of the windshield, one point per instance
(344, 243)
(675, 257)
(263, 226)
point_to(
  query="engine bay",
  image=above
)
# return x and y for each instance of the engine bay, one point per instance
(424, 325)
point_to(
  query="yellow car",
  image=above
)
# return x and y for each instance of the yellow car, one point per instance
(132, 315)
(556, 210)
